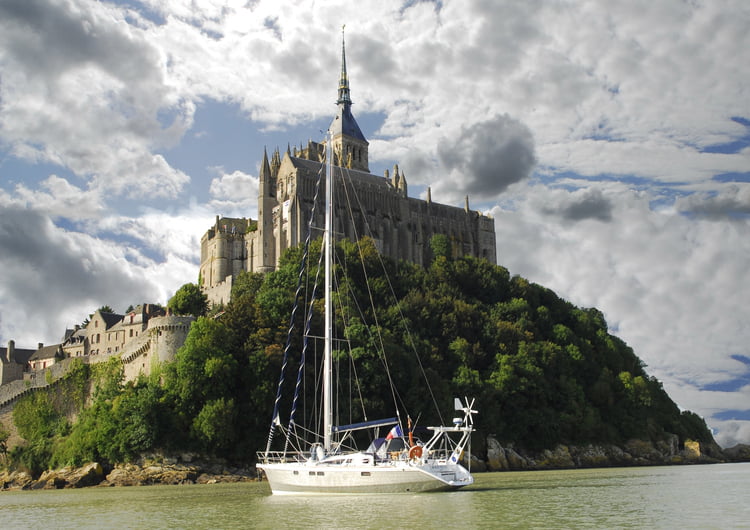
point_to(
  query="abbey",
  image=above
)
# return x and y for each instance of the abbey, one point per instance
(380, 208)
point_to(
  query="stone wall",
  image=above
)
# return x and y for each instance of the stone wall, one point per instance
(219, 293)
(159, 344)
(164, 336)
(10, 392)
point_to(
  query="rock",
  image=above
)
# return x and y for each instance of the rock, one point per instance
(738, 453)
(558, 458)
(16, 480)
(477, 464)
(669, 447)
(591, 456)
(516, 461)
(89, 475)
(692, 451)
(695, 451)
(643, 452)
(496, 459)
(124, 475)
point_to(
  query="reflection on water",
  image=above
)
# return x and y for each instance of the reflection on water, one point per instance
(715, 496)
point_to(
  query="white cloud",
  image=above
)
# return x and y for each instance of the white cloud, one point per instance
(669, 285)
(732, 432)
(59, 198)
(85, 90)
(237, 190)
(54, 278)
(729, 199)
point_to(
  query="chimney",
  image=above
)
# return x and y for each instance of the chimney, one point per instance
(11, 351)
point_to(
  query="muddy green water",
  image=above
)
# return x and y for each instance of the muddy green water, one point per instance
(711, 496)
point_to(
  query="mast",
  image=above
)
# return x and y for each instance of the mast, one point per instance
(327, 345)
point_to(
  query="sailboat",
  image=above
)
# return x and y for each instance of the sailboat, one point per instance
(326, 462)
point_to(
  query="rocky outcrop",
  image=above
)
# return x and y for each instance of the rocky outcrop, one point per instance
(632, 453)
(15, 480)
(89, 475)
(145, 472)
(738, 453)
(182, 469)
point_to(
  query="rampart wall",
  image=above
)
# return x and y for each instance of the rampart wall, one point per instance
(160, 342)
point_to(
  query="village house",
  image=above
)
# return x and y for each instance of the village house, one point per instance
(46, 356)
(14, 362)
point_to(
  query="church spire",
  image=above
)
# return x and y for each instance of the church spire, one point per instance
(344, 96)
(349, 144)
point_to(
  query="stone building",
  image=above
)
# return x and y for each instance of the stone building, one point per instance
(401, 226)
(46, 356)
(142, 339)
(99, 333)
(14, 362)
(108, 333)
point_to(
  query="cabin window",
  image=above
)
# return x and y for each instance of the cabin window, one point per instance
(296, 472)
(311, 473)
(321, 473)
(365, 473)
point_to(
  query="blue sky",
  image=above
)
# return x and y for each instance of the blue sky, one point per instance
(609, 140)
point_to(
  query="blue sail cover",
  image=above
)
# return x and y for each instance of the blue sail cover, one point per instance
(365, 425)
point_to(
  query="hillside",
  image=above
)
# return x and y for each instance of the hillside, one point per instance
(543, 371)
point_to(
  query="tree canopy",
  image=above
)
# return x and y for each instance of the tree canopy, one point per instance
(543, 370)
(189, 300)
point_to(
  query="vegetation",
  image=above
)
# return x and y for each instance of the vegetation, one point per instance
(189, 300)
(543, 371)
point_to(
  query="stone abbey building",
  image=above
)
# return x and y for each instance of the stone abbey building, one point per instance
(374, 206)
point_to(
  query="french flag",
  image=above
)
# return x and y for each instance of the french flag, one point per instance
(394, 433)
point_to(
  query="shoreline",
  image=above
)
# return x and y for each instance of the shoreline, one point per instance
(187, 469)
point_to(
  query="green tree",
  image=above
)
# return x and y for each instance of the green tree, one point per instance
(189, 300)
(4, 435)
(440, 246)
(214, 425)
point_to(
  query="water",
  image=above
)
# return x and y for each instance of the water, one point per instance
(712, 496)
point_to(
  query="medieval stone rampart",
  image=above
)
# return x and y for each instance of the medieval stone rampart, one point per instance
(14, 390)
(163, 337)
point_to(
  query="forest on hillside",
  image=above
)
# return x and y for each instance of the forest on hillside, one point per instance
(542, 370)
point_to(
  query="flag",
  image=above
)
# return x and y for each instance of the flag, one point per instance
(394, 433)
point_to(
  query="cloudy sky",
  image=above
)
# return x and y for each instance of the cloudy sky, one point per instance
(609, 140)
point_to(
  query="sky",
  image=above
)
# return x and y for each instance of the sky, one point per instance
(610, 142)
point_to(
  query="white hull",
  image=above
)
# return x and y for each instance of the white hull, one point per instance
(305, 478)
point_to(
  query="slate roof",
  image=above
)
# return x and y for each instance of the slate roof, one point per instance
(45, 352)
(22, 354)
(344, 123)
(110, 319)
(313, 166)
